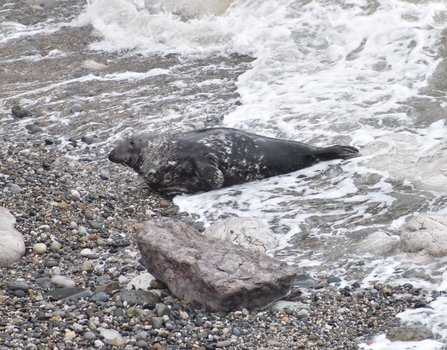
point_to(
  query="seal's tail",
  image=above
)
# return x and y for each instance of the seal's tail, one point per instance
(336, 152)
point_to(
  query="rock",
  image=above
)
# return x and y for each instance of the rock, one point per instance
(83, 71)
(288, 306)
(63, 281)
(104, 174)
(55, 246)
(139, 297)
(18, 285)
(108, 334)
(12, 244)
(67, 294)
(394, 153)
(87, 266)
(100, 297)
(425, 233)
(90, 140)
(247, 232)
(40, 248)
(211, 273)
(333, 279)
(223, 344)
(162, 309)
(303, 280)
(156, 322)
(108, 288)
(27, 50)
(409, 333)
(378, 243)
(142, 281)
(20, 112)
(14, 188)
(89, 336)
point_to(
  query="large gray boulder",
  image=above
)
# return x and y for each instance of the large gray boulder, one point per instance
(251, 233)
(215, 274)
(425, 234)
(12, 245)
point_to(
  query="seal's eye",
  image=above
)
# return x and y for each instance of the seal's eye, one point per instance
(132, 143)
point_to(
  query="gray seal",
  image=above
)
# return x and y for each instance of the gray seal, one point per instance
(203, 160)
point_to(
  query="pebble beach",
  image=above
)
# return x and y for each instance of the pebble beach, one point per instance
(79, 213)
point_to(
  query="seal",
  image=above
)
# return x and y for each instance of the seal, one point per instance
(207, 159)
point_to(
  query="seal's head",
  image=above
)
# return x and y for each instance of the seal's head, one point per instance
(129, 151)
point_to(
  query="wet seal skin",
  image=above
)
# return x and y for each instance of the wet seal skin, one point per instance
(207, 159)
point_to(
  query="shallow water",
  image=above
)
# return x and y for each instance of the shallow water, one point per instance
(322, 72)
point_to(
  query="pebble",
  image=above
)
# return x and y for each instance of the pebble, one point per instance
(55, 246)
(19, 111)
(86, 252)
(40, 248)
(13, 188)
(156, 322)
(162, 309)
(89, 336)
(63, 281)
(87, 266)
(18, 285)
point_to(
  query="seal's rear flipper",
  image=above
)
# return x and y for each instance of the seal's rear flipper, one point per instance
(335, 152)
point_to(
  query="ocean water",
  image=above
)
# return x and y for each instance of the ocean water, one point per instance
(368, 73)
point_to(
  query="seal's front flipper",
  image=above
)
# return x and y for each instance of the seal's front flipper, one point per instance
(335, 152)
(207, 167)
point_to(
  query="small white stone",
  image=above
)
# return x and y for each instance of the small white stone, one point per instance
(73, 224)
(122, 279)
(40, 248)
(99, 344)
(63, 281)
(75, 194)
(86, 251)
(55, 271)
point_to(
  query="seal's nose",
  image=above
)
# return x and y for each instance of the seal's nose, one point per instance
(112, 156)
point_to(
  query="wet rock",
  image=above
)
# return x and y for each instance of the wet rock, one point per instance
(138, 297)
(303, 280)
(425, 233)
(288, 306)
(18, 285)
(67, 294)
(250, 233)
(104, 174)
(47, 165)
(395, 154)
(27, 49)
(83, 71)
(13, 188)
(20, 112)
(12, 245)
(208, 272)
(409, 333)
(161, 310)
(333, 279)
(34, 129)
(377, 243)
(90, 140)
